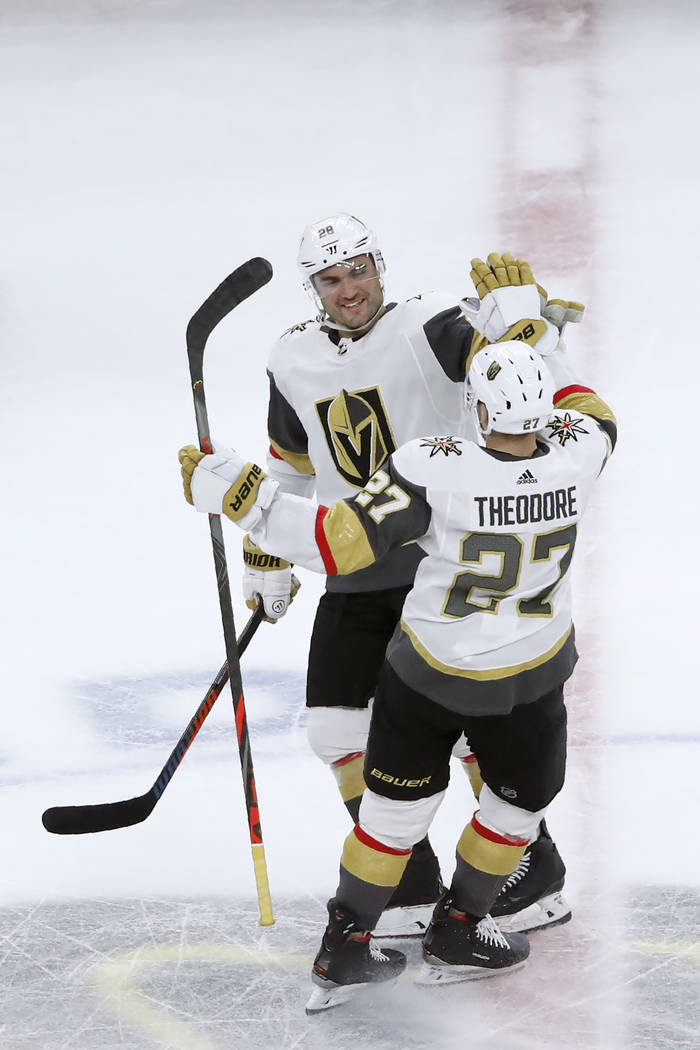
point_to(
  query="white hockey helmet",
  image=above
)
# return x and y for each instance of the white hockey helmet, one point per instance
(516, 386)
(335, 240)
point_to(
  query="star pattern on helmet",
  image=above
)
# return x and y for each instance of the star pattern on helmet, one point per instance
(566, 428)
(442, 444)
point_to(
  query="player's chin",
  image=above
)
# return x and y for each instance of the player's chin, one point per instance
(355, 318)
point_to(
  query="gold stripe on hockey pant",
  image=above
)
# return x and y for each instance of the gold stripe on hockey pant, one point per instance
(240, 498)
(346, 539)
(371, 861)
(488, 852)
(349, 776)
(471, 768)
(298, 460)
(492, 674)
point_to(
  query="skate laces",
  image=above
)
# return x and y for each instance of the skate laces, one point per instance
(519, 874)
(487, 930)
(376, 952)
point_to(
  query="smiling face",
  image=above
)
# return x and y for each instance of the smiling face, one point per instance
(351, 292)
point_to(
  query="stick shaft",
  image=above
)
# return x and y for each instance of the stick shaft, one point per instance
(109, 816)
(212, 694)
(239, 285)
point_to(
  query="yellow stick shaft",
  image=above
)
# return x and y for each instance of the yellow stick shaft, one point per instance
(264, 900)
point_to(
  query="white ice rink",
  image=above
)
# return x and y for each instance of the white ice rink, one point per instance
(146, 149)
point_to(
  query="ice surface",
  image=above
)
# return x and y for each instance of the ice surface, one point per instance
(147, 149)
(201, 974)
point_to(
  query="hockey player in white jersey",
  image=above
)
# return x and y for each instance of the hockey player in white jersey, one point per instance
(484, 647)
(346, 390)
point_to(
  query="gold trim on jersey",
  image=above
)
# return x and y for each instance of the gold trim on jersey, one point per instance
(347, 539)
(492, 674)
(298, 460)
(495, 858)
(371, 865)
(478, 343)
(587, 402)
(350, 777)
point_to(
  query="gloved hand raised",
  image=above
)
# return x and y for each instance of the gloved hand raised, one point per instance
(509, 303)
(269, 578)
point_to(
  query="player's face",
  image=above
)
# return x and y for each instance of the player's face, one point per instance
(350, 291)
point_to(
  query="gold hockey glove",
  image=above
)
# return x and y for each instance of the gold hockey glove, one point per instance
(222, 483)
(509, 303)
(562, 312)
(502, 271)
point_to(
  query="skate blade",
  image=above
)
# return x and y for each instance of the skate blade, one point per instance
(548, 911)
(404, 922)
(445, 973)
(328, 996)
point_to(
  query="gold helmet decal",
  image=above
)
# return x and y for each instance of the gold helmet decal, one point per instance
(493, 370)
(358, 433)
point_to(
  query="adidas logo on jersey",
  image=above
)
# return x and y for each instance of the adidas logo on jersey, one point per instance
(527, 478)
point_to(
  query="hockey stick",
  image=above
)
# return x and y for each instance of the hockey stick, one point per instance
(247, 279)
(108, 816)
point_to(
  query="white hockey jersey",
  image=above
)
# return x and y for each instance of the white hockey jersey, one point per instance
(488, 623)
(339, 407)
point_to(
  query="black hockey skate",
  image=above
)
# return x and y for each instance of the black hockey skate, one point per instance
(410, 907)
(531, 898)
(347, 959)
(458, 947)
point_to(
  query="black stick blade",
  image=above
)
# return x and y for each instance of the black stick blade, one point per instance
(239, 285)
(85, 820)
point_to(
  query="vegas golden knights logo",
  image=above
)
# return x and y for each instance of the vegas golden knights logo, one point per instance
(358, 433)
